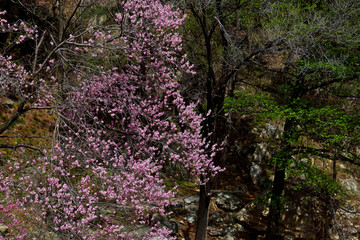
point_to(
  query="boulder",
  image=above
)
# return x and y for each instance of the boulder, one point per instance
(261, 153)
(251, 218)
(165, 221)
(192, 208)
(191, 199)
(214, 232)
(228, 201)
(190, 218)
(8, 103)
(351, 185)
(271, 131)
(256, 173)
(3, 229)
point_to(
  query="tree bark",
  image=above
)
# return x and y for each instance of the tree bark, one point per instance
(272, 232)
(203, 212)
(276, 204)
(334, 168)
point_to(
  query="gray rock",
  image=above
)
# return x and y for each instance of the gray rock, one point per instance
(166, 222)
(191, 218)
(251, 218)
(269, 131)
(159, 218)
(3, 228)
(261, 153)
(171, 225)
(242, 215)
(141, 231)
(229, 230)
(191, 199)
(288, 237)
(228, 201)
(212, 231)
(8, 103)
(265, 212)
(217, 216)
(228, 237)
(255, 131)
(351, 185)
(239, 228)
(255, 173)
(228, 219)
(191, 208)
(177, 204)
(350, 230)
(256, 160)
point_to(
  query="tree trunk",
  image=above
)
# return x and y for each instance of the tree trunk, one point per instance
(334, 169)
(276, 204)
(203, 212)
(272, 232)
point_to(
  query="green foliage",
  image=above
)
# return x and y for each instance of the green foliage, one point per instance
(260, 105)
(314, 179)
(248, 16)
(328, 124)
(331, 125)
(325, 36)
(298, 82)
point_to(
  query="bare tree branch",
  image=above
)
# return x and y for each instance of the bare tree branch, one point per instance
(10, 146)
(15, 116)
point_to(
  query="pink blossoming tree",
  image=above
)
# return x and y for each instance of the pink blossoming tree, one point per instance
(120, 128)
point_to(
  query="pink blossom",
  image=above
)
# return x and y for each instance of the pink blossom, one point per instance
(119, 127)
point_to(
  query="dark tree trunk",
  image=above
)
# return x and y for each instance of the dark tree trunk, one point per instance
(282, 160)
(215, 95)
(272, 232)
(334, 169)
(203, 212)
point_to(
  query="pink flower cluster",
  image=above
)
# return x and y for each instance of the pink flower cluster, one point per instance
(8, 207)
(125, 127)
(14, 78)
(22, 28)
